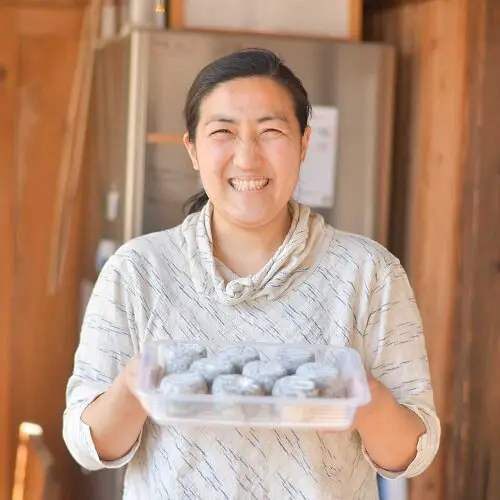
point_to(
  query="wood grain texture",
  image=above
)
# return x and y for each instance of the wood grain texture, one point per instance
(474, 457)
(427, 179)
(43, 330)
(175, 14)
(34, 476)
(44, 3)
(356, 23)
(447, 222)
(8, 96)
(353, 29)
(74, 141)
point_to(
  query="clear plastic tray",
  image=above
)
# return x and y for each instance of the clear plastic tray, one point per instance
(333, 412)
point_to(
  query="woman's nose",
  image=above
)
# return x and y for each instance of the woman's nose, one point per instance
(247, 155)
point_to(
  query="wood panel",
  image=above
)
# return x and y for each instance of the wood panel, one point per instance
(44, 3)
(175, 14)
(34, 476)
(43, 332)
(474, 453)
(179, 18)
(427, 179)
(8, 94)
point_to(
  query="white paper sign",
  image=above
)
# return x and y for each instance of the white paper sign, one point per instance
(316, 186)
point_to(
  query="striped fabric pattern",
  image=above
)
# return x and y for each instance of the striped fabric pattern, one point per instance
(329, 287)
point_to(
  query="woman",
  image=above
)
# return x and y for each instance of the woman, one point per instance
(250, 263)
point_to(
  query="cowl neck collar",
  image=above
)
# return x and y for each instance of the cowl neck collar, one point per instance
(290, 263)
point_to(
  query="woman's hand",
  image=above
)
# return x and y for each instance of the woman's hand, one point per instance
(130, 373)
(382, 402)
(116, 417)
(389, 431)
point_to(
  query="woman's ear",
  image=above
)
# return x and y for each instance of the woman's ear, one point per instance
(305, 143)
(191, 150)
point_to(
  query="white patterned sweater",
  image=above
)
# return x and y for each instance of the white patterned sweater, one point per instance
(322, 286)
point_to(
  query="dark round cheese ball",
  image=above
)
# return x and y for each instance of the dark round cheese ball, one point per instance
(236, 385)
(211, 368)
(239, 355)
(264, 373)
(326, 376)
(295, 386)
(179, 357)
(292, 357)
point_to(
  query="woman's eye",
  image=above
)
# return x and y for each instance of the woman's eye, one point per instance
(221, 131)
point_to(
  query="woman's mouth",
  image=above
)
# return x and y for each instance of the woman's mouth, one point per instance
(249, 184)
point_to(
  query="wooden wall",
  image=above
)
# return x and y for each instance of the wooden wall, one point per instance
(446, 220)
(38, 53)
(7, 134)
(427, 175)
(44, 3)
(473, 454)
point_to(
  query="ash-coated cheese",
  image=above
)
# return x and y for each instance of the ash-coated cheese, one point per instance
(179, 357)
(211, 368)
(239, 355)
(325, 375)
(266, 373)
(178, 385)
(236, 385)
(292, 357)
(183, 383)
(295, 386)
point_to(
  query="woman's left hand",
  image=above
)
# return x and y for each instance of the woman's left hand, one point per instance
(389, 431)
(381, 404)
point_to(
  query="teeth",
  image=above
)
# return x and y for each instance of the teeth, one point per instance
(253, 185)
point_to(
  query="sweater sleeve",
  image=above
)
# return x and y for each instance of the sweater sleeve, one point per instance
(396, 354)
(107, 342)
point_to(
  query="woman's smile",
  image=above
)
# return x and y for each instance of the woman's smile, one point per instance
(249, 185)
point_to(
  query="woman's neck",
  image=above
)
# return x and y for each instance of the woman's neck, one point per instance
(246, 251)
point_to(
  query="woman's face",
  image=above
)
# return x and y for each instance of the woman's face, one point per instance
(248, 150)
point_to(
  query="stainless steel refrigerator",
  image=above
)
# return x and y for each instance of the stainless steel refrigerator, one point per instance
(138, 175)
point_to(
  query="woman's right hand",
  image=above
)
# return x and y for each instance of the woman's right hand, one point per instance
(117, 416)
(130, 373)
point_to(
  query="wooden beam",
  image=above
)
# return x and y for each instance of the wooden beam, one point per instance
(38, 49)
(474, 454)
(448, 233)
(44, 3)
(389, 4)
(175, 14)
(432, 245)
(353, 29)
(356, 24)
(9, 53)
(74, 142)
(427, 180)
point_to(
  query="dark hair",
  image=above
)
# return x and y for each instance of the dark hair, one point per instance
(243, 63)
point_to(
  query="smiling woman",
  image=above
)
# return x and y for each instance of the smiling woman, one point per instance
(250, 263)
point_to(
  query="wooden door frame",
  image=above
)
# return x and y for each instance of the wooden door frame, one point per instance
(473, 453)
(9, 51)
(22, 27)
(446, 213)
